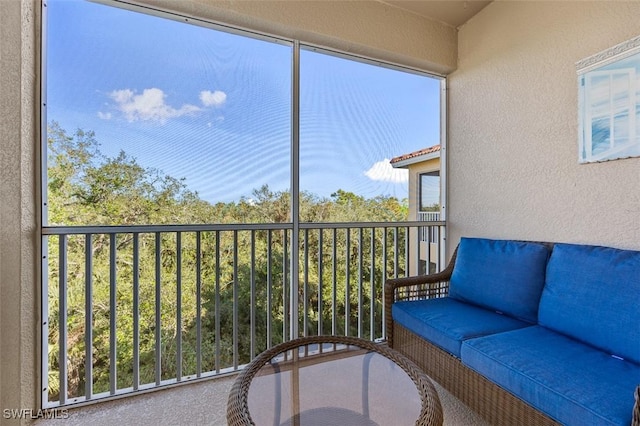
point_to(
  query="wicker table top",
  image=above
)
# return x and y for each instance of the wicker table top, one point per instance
(332, 380)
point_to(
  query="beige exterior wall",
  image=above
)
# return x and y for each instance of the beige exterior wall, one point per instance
(415, 170)
(19, 318)
(366, 28)
(512, 147)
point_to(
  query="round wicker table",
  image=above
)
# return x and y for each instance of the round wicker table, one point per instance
(332, 380)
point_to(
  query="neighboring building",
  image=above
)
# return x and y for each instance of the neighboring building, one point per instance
(425, 202)
(424, 182)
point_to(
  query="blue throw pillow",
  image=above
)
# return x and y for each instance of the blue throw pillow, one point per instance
(501, 275)
(593, 295)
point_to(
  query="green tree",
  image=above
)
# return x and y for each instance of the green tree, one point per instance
(242, 276)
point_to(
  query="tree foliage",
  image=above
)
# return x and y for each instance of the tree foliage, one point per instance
(214, 289)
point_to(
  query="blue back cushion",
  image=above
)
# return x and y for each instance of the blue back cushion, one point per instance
(593, 295)
(504, 276)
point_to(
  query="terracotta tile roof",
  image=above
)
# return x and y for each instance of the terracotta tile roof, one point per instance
(424, 151)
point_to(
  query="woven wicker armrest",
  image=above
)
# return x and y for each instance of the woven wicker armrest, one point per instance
(393, 287)
(392, 284)
(415, 288)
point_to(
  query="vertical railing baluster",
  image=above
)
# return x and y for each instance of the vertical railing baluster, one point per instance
(62, 318)
(334, 299)
(179, 306)
(198, 304)
(235, 299)
(136, 311)
(417, 253)
(320, 280)
(88, 317)
(429, 232)
(384, 277)
(360, 282)
(252, 297)
(396, 248)
(158, 325)
(305, 285)
(285, 293)
(438, 241)
(347, 296)
(372, 285)
(406, 251)
(218, 334)
(113, 302)
(269, 289)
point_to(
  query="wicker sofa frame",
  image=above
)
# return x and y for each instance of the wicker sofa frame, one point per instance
(493, 403)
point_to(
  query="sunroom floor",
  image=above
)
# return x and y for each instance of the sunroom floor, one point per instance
(202, 403)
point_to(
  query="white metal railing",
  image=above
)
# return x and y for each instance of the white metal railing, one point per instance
(129, 308)
(428, 216)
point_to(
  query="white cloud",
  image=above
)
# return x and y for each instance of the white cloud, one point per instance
(148, 106)
(209, 98)
(104, 115)
(383, 171)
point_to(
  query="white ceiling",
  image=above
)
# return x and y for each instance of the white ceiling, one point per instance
(452, 12)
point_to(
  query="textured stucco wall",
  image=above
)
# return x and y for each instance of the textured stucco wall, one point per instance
(512, 148)
(19, 316)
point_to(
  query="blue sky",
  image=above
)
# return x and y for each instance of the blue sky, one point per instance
(215, 108)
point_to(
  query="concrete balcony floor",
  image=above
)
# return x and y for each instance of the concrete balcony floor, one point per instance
(202, 403)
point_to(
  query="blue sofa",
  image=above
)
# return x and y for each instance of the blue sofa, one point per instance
(526, 332)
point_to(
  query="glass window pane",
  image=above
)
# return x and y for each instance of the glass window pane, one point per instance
(430, 192)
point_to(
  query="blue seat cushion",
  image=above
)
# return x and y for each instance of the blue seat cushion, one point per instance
(446, 322)
(573, 383)
(500, 275)
(593, 295)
